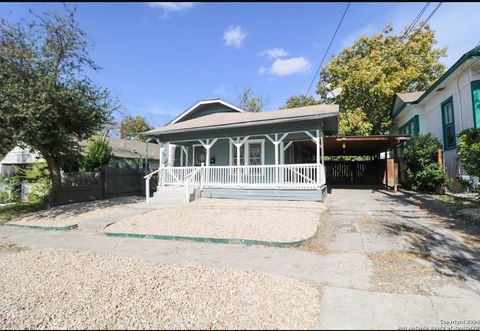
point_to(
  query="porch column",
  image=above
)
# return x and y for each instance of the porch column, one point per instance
(160, 163)
(316, 140)
(276, 142)
(184, 150)
(238, 145)
(146, 155)
(207, 145)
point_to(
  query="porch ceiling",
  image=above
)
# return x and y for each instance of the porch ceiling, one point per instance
(362, 145)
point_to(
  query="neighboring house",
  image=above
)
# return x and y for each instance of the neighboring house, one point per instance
(127, 153)
(247, 154)
(451, 104)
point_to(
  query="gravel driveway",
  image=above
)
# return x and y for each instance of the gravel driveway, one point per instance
(272, 221)
(44, 289)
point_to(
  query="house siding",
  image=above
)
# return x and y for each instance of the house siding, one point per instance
(429, 113)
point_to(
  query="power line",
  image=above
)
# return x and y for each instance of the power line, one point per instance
(431, 14)
(415, 21)
(412, 25)
(328, 48)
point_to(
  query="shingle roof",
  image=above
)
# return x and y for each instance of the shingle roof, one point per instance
(129, 149)
(410, 97)
(238, 119)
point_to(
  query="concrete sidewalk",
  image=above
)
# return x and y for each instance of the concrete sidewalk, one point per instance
(361, 228)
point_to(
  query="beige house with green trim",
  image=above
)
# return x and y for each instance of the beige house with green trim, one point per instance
(450, 105)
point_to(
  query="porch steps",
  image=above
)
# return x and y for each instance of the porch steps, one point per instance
(168, 196)
(265, 194)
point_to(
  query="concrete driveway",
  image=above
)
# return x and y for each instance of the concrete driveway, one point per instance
(380, 260)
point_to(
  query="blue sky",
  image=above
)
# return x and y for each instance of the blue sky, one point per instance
(160, 58)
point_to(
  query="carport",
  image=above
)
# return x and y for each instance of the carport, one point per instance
(378, 166)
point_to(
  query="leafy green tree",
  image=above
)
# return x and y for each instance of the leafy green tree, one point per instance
(98, 154)
(354, 123)
(131, 127)
(301, 101)
(373, 69)
(46, 100)
(469, 151)
(251, 103)
(424, 173)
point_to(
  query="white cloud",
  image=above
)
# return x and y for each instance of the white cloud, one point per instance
(170, 7)
(274, 53)
(234, 36)
(290, 66)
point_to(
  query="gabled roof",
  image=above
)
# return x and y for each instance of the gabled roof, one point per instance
(230, 120)
(205, 102)
(399, 104)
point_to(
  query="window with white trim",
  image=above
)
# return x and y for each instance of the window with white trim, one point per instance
(254, 150)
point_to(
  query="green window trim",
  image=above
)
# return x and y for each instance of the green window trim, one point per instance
(411, 127)
(450, 126)
(476, 103)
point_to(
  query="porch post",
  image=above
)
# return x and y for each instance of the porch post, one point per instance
(146, 155)
(160, 163)
(238, 145)
(276, 143)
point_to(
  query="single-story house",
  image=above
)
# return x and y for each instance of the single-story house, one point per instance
(229, 153)
(127, 153)
(450, 105)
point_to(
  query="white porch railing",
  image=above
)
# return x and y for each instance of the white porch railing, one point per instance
(283, 176)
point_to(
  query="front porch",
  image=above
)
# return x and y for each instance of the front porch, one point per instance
(261, 160)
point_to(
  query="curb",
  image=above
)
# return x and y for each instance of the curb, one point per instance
(48, 228)
(214, 240)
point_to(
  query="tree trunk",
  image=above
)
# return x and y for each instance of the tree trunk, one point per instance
(55, 174)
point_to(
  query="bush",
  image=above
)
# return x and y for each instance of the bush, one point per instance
(97, 154)
(423, 171)
(39, 175)
(469, 151)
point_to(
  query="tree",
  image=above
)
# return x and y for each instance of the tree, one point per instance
(131, 127)
(424, 173)
(301, 101)
(469, 151)
(373, 69)
(98, 154)
(251, 103)
(46, 100)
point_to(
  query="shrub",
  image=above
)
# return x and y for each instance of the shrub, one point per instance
(98, 153)
(424, 173)
(469, 151)
(39, 175)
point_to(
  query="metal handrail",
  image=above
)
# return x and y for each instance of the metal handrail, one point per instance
(147, 182)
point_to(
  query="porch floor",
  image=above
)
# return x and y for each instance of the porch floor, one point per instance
(279, 223)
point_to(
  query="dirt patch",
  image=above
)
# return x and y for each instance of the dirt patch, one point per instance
(6, 246)
(403, 272)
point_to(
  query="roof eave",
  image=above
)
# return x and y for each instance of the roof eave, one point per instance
(473, 54)
(244, 124)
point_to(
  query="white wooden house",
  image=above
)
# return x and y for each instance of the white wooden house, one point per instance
(451, 104)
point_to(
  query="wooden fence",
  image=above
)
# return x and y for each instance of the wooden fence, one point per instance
(88, 186)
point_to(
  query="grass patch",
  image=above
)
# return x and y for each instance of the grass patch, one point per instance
(10, 212)
(456, 201)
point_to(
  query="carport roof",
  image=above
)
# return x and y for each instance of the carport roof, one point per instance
(361, 145)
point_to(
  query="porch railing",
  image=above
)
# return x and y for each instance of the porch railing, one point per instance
(283, 176)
